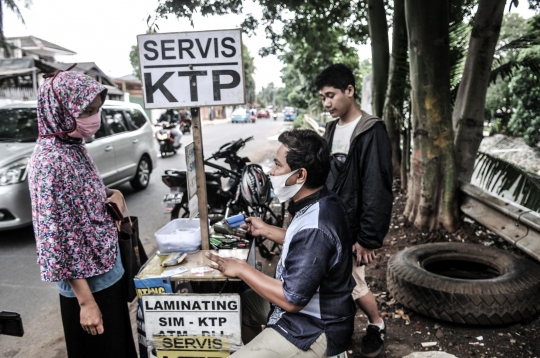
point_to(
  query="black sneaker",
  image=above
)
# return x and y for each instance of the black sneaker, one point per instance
(373, 341)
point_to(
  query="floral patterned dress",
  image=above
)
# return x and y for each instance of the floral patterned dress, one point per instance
(75, 235)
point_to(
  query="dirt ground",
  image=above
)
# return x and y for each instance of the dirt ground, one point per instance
(405, 336)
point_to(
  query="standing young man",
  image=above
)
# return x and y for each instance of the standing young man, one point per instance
(361, 174)
(312, 314)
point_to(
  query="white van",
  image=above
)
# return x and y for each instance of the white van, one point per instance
(123, 150)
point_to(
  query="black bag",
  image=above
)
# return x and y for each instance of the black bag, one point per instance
(132, 253)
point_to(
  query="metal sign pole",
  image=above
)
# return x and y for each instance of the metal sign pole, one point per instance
(201, 177)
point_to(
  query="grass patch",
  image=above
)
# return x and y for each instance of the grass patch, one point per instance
(298, 121)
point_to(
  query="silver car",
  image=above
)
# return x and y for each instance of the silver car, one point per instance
(123, 150)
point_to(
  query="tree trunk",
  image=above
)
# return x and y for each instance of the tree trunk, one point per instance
(380, 57)
(406, 154)
(468, 116)
(431, 201)
(397, 82)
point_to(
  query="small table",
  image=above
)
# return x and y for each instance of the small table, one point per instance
(154, 269)
(176, 323)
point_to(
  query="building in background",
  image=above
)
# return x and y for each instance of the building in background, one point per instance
(21, 74)
(131, 88)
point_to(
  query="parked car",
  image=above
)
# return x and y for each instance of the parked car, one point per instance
(263, 113)
(123, 150)
(240, 115)
(289, 114)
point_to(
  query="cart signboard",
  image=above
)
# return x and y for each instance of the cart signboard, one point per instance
(192, 69)
(148, 286)
(180, 324)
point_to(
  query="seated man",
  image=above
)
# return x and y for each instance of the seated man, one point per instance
(312, 313)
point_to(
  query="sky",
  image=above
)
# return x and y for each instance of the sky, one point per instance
(103, 31)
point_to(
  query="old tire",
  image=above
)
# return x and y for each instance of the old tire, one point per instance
(465, 283)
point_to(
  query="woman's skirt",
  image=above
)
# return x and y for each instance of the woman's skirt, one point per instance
(117, 338)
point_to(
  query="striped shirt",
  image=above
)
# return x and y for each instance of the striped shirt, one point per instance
(315, 268)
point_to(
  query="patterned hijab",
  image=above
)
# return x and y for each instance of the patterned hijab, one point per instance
(75, 235)
(62, 99)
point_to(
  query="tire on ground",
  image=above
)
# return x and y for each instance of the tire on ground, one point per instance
(510, 297)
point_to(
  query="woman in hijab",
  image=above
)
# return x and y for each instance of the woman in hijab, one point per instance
(76, 238)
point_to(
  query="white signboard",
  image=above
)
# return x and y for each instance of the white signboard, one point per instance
(192, 69)
(191, 173)
(193, 207)
(191, 178)
(193, 315)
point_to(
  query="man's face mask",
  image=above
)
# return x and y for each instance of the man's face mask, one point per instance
(282, 191)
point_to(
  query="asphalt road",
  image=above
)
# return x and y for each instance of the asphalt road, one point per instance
(21, 289)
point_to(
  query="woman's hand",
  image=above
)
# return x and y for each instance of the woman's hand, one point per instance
(254, 226)
(91, 320)
(115, 196)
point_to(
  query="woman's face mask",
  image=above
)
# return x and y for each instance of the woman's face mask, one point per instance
(87, 127)
(284, 192)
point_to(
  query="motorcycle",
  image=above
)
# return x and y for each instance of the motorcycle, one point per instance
(166, 140)
(185, 126)
(274, 115)
(222, 202)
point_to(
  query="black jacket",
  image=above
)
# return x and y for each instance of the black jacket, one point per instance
(363, 179)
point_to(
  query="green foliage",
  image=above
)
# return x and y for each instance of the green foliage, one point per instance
(249, 69)
(499, 175)
(512, 98)
(303, 33)
(186, 9)
(532, 133)
(267, 95)
(525, 87)
(313, 21)
(134, 53)
(298, 121)
(134, 60)
(459, 32)
(297, 88)
(272, 95)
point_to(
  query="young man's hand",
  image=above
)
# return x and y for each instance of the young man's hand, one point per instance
(361, 252)
(254, 226)
(228, 266)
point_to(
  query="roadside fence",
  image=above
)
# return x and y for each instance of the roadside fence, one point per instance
(514, 223)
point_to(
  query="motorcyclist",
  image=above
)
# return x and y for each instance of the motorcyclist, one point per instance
(172, 118)
(185, 117)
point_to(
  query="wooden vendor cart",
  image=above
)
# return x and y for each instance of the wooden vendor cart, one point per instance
(191, 314)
